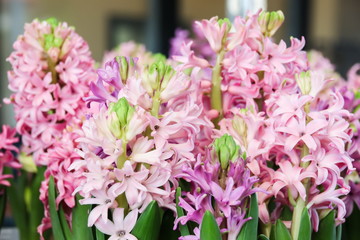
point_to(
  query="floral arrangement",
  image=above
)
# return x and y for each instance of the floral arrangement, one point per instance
(234, 136)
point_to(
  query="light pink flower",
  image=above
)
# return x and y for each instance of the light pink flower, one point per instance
(213, 32)
(291, 177)
(131, 183)
(299, 130)
(104, 199)
(120, 227)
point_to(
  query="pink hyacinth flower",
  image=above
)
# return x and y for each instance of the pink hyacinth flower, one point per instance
(120, 227)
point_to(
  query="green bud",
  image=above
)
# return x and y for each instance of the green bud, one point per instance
(226, 150)
(58, 41)
(357, 95)
(27, 162)
(123, 110)
(123, 67)
(270, 22)
(48, 41)
(51, 41)
(159, 57)
(168, 74)
(158, 76)
(53, 22)
(304, 82)
(115, 126)
(225, 21)
(228, 27)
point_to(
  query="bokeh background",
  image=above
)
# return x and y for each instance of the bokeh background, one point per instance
(331, 26)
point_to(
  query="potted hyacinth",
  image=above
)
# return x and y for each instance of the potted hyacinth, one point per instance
(234, 136)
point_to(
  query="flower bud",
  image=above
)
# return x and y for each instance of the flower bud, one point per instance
(227, 26)
(124, 67)
(27, 162)
(53, 22)
(158, 76)
(168, 74)
(114, 125)
(270, 22)
(226, 150)
(124, 112)
(304, 82)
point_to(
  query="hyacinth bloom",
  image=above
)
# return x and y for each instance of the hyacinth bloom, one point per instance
(282, 110)
(235, 114)
(51, 71)
(121, 227)
(137, 139)
(221, 184)
(60, 157)
(7, 150)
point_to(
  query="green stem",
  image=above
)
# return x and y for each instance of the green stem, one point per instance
(296, 219)
(122, 202)
(265, 228)
(216, 96)
(51, 66)
(123, 157)
(156, 104)
(121, 199)
(300, 203)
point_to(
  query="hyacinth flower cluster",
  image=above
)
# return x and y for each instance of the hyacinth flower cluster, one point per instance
(231, 129)
(51, 71)
(144, 127)
(350, 91)
(8, 147)
(220, 184)
(286, 117)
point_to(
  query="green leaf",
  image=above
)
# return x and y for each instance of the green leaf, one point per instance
(55, 222)
(339, 232)
(305, 226)
(80, 215)
(64, 224)
(326, 228)
(351, 226)
(99, 235)
(281, 232)
(263, 237)
(16, 193)
(36, 211)
(167, 232)
(3, 197)
(184, 229)
(209, 229)
(250, 228)
(148, 225)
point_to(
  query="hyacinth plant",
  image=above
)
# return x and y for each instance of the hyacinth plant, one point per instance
(51, 72)
(234, 136)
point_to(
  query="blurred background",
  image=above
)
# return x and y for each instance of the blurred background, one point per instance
(331, 26)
